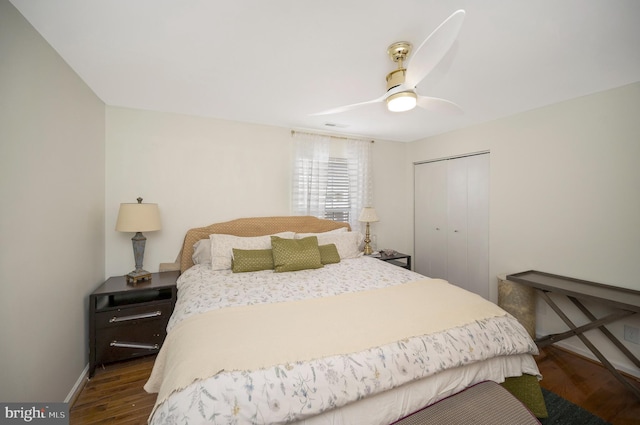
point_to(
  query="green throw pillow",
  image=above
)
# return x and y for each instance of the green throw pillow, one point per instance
(329, 254)
(295, 254)
(251, 260)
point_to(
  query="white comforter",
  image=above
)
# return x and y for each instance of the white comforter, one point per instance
(197, 294)
(291, 392)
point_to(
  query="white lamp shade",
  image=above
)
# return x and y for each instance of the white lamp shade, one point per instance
(368, 215)
(138, 218)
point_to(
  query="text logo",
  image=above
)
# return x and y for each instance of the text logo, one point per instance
(34, 413)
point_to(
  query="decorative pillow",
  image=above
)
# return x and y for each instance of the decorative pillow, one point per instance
(347, 243)
(222, 247)
(251, 260)
(295, 254)
(202, 252)
(329, 254)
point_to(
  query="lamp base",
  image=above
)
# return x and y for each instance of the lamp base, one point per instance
(137, 275)
(367, 240)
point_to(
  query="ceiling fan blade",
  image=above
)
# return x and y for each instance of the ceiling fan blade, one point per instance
(435, 104)
(346, 108)
(433, 49)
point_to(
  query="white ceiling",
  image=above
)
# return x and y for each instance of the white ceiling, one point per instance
(275, 62)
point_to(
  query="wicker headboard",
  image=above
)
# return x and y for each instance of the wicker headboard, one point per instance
(255, 226)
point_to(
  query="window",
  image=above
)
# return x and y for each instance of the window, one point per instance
(337, 203)
(331, 177)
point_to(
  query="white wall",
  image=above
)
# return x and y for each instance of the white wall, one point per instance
(204, 170)
(51, 214)
(564, 191)
(392, 197)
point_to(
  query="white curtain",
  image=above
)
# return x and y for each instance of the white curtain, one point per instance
(360, 179)
(310, 171)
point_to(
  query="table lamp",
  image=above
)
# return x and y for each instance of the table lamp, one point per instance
(138, 218)
(368, 215)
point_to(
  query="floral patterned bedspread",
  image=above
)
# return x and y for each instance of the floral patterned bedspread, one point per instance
(290, 392)
(202, 289)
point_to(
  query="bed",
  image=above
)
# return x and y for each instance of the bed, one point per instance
(320, 335)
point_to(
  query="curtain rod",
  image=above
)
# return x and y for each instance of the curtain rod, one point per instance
(327, 135)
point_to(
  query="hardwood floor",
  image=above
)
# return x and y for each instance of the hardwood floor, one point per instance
(589, 385)
(115, 395)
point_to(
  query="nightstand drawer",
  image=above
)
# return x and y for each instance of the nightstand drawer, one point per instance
(133, 315)
(119, 342)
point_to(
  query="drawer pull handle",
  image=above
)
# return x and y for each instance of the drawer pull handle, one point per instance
(134, 345)
(115, 319)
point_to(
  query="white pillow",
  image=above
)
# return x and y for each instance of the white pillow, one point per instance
(222, 247)
(202, 252)
(348, 243)
(304, 235)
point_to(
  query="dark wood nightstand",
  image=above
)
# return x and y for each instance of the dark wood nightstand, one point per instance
(398, 259)
(128, 321)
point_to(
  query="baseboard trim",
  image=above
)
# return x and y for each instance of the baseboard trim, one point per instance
(77, 387)
(589, 355)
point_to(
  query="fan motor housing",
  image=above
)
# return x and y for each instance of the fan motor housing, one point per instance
(395, 78)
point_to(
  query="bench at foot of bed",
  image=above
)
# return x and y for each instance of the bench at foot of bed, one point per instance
(486, 403)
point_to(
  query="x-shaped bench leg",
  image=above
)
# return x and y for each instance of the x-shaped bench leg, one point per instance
(579, 332)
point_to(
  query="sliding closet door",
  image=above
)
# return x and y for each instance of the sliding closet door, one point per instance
(478, 224)
(457, 222)
(431, 219)
(452, 221)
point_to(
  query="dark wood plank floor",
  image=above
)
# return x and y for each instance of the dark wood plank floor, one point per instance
(115, 394)
(589, 385)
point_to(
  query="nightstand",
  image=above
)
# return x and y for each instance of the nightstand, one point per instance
(128, 321)
(398, 259)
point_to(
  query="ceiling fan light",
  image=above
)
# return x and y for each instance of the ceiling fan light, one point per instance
(401, 102)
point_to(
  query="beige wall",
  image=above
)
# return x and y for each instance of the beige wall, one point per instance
(564, 190)
(51, 214)
(205, 170)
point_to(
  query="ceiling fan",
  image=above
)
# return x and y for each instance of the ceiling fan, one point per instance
(401, 92)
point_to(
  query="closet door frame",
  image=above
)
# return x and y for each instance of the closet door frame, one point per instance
(477, 272)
